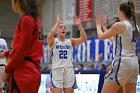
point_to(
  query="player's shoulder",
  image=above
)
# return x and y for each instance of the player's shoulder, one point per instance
(27, 18)
(1, 39)
(118, 24)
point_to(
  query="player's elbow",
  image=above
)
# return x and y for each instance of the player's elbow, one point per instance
(85, 38)
(101, 37)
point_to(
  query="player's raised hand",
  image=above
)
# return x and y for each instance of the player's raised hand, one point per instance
(76, 20)
(104, 21)
(99, 21)
(59, 19)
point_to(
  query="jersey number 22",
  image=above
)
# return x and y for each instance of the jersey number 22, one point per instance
(63, 54)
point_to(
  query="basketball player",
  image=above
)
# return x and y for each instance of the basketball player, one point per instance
(62, 72)
(23, 68)
(125, 68)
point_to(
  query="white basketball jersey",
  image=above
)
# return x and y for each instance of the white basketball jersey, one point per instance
(62, 54)
(123, 45)
(3, 47)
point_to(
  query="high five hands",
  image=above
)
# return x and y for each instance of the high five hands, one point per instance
(76, 20)
(101, 22)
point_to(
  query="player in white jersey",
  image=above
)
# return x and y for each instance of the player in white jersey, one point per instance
(125, 68)
(62, 72)
(3, 47)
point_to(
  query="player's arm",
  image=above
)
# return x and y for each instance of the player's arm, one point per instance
(104, 30)
(104, 26)
(116, 29)
(83, 36)
(27, 25)
(50, 37)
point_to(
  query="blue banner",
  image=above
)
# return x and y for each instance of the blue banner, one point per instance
(89, 50)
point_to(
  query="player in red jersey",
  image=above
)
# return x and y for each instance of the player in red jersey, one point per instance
(23, 68)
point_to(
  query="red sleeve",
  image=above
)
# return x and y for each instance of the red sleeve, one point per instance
(27, 27)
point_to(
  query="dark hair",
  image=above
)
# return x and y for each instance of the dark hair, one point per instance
(29, 6)
(81, 65)
(115, 19)
(129, 9)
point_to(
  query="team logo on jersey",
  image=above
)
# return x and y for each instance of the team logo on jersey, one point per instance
(62, 46)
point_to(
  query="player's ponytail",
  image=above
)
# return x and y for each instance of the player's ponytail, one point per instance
(133, 15)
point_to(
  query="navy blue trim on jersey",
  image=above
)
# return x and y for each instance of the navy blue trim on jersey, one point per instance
(134, 36)
(116, 75)
(116, 44)
(51, 79)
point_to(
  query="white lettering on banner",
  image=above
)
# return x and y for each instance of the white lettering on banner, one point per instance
(107, 52)
(96, 49)
(79, 53)
(88, 50)
(74, 56)
(84, 52)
